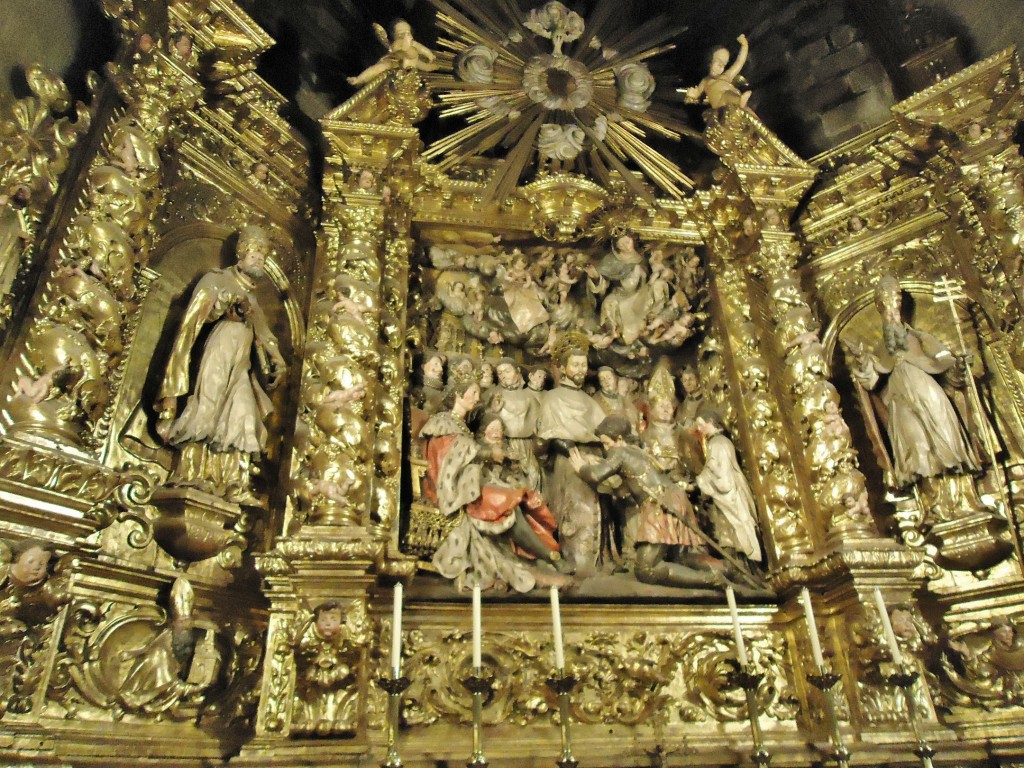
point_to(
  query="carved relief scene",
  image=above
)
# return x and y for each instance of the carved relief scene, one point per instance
(554, 374)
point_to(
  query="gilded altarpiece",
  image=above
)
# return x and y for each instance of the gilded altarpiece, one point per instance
(174, 596)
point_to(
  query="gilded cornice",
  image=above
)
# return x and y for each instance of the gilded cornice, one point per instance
(830, 226)
(283, 204)
(222, 24)
(887, 559)
(882, 183)
(873, 242)
(965, 97)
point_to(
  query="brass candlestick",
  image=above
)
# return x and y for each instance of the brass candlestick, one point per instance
(905, 679)
(395, 687)
(749, 679)
(825, 681)
(562, 684)
(480, 687)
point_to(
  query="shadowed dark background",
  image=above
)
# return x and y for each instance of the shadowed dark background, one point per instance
(822, 71)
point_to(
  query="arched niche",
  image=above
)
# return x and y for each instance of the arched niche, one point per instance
(180, 259)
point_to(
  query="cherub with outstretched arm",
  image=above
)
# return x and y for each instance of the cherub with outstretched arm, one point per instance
(403, 53)
(719, 87)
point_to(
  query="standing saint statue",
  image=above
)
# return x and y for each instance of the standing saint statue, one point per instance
(926, 434)
(221, 429)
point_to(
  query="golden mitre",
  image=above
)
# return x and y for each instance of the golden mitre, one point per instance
(662, 385)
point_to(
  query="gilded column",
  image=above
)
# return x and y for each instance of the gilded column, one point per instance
(835, 547)
(343, 510)
(37, 139)
(757, 413)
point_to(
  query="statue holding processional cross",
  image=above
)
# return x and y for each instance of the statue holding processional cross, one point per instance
(924, 397)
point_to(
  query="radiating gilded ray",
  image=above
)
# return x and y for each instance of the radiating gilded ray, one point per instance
(517, 131)
(463, 39)
(651, 33)
(597, 167)
(469, 108)
(453, 140)
(596, 22)
(528, 45)
(481, 13)
(494, 132)
(660, 114)
(509, 173)
(653, 161)
(490, 23)
(471, 94)
(461, 21)
(635, 186)
(514, 16)
(619, 61)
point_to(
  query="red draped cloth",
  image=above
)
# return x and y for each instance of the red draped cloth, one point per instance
(496, 503)
(434, 453)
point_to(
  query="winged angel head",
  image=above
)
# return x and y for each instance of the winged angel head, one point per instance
(25, 564)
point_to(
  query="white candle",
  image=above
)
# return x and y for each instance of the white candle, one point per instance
(396, 632)
(812, 629)
(556, 629)
(741, 649)
(890, 636)
(477, 652)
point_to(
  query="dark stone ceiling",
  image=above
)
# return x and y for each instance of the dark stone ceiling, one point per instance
(822, 71)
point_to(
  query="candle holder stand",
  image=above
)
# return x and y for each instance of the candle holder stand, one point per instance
(394, 687)
(905, 679)
(749, 679)
(563, 684)
(481, 688)
(825, 681)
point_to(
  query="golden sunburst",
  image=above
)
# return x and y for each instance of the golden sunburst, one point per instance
(556, 91)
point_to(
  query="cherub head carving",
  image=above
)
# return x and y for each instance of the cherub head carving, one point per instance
(30, 563)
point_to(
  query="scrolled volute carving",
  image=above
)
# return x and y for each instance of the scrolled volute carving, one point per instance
(624, 678)
(147, 663)
(982, 664)
(708, 659)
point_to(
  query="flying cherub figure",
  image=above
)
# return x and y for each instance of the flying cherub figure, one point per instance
(719, 87)
(403, 53)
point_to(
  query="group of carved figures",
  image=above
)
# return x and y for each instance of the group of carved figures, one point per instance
(572, 466)
(627, 302)
(551, 482)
